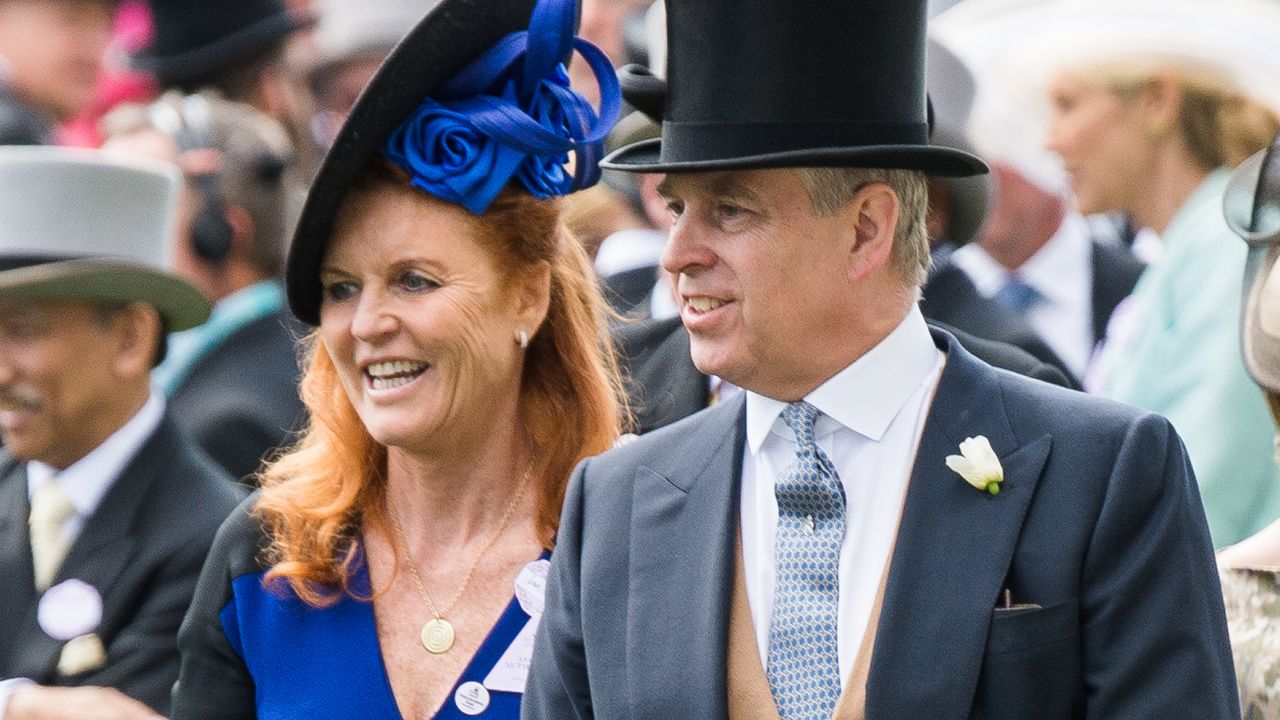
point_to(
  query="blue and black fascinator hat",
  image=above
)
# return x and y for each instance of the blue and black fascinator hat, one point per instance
(474, 98)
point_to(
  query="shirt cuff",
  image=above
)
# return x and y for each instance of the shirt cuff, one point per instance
(7, 689)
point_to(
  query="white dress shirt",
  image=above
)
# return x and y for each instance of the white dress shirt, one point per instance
(1062, 273)
(872, 415)
(86, 482)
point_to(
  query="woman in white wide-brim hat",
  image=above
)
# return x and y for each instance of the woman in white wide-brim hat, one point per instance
(1150, 103)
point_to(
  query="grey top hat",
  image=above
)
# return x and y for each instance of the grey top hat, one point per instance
(85, 224)
(347, 28)
(1251, 205)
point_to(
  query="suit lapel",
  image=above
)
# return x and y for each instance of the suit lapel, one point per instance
(100, 555)
(19, 593)
(1104, 295)
(683, 526)
(954, 548)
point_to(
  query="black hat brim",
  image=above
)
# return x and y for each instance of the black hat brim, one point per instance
(449, 37)
(646, 157)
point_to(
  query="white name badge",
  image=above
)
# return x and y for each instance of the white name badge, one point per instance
(512, 671)
(69, 609)
(531, 587)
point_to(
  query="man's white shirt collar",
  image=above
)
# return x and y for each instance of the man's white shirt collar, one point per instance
(87, 480)
(882, 380)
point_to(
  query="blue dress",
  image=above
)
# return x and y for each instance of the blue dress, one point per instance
(252, 653)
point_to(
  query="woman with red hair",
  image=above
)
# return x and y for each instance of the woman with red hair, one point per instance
(393, 562)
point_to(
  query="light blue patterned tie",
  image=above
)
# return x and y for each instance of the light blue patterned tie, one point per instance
(804, 663)
(1017, 295)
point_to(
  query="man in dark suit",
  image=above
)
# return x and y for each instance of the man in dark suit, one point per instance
(882, 525)
(232, 382)
(106, 510)
(1036, 256)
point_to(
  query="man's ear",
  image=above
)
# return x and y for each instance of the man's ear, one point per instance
(137, 331)
(242, 230)
(1162, 100)
(533, 293)
(875, 210)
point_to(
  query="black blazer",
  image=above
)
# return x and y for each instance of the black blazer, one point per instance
(240, 401)
(142, 549)
(663, 385)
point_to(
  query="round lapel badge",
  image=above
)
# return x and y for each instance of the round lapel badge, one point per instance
(69, 609)
(471, 698)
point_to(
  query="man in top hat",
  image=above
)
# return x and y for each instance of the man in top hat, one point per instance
(882, 525)
(238, 48)
(232, 381)
(50, 55)
(106, 510)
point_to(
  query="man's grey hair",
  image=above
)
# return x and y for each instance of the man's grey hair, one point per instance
(830, 189)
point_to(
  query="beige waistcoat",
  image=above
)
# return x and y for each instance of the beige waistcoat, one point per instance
(749, 694)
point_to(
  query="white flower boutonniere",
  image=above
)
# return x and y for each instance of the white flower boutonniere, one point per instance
(978, 465)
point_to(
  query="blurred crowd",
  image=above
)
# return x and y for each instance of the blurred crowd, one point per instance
(1096, 245)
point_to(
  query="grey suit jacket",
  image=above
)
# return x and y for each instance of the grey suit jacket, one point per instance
(1099, 524)
(142, 550)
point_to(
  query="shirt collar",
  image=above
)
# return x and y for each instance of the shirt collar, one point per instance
(87, 480)
(867, 395)
(988, 276)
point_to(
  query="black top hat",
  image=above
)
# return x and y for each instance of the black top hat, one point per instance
(763, 83)
(451, 38)
(196, 39)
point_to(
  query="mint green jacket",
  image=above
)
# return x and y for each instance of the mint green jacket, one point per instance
(1184, 361)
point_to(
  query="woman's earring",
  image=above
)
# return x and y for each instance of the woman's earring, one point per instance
(522, 339)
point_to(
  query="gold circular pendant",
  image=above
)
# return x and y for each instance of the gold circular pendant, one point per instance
(437, 636)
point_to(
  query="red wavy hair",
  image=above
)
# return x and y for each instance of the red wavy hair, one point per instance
(316, 497)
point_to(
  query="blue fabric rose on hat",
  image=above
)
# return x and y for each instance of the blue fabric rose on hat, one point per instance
(511, 113)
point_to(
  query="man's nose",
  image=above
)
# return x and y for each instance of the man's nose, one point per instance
(686, 247)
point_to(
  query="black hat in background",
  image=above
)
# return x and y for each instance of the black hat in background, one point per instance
(197, 39)
(762, 83)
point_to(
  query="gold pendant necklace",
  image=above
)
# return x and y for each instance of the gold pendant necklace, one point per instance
(437, 633)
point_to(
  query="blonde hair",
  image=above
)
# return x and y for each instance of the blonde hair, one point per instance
(830, 189)
(316, 497)
(1220, 125)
